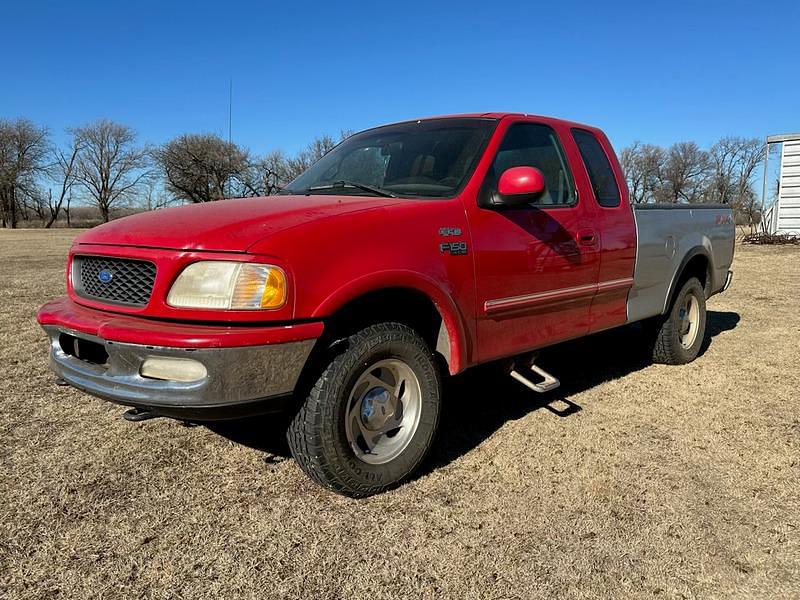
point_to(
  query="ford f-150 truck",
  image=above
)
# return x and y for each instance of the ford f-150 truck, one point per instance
(408, 252)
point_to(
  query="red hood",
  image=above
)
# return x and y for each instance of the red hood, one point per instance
(229, 225)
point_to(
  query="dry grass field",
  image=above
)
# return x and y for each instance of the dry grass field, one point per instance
(633, 480)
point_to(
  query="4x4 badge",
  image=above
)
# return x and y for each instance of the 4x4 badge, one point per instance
(448, 231)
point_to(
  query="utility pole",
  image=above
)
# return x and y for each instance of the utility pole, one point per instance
(227, 192)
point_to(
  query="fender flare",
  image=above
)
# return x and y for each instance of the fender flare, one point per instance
(442, 299)
(692, 253)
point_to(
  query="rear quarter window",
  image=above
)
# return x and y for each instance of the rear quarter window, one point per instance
(601, 175)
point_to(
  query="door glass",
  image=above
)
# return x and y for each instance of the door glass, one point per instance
(534, 145)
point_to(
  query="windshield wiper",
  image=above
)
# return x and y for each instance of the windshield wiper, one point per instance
(344, 183)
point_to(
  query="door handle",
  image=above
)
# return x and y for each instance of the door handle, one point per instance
(586, 237)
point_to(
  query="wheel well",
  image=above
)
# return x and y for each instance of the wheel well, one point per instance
(400, 305)
(697, 266)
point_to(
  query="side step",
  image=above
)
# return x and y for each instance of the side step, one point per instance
(547, 384)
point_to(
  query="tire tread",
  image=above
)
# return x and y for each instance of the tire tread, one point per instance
(664, 345)
(308, 434)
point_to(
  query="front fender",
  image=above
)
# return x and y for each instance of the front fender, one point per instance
(441, 297)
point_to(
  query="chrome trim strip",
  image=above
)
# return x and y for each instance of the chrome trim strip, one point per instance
(615, 284)
(501, 305)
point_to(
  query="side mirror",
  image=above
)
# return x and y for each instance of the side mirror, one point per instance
(520, 185)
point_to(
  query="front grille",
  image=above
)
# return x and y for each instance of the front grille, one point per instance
(115, 280)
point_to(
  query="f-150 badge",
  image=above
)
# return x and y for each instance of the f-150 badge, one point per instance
(453, 248)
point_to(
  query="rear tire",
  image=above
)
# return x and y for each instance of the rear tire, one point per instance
(677, 337)
(371, 415)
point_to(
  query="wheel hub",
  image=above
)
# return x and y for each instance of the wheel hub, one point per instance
(689, 316)
(376, 408)
(383, 411)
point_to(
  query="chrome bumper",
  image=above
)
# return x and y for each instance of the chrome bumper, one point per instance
(728, 280)
(237, 380)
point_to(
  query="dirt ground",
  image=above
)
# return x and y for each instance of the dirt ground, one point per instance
(633, 480)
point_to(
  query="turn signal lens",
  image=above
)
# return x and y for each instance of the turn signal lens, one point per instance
(259, 286)
(229, 285)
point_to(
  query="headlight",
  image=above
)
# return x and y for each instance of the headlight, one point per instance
(229, 286)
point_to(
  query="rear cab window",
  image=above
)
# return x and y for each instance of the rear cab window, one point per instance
(598, 167)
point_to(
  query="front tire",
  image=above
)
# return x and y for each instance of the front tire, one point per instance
(371, 415)
(678, 336)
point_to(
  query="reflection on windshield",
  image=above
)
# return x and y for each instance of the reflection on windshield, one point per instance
(431, 158)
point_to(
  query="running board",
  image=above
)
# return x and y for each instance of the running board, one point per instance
(549, 382)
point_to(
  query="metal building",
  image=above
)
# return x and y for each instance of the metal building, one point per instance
(784, 214)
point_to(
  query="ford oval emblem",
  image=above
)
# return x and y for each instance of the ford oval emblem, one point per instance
(105, 276)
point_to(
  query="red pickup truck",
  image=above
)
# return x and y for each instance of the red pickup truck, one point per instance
(407, 252)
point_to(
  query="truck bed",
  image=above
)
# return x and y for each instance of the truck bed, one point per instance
(670, 235)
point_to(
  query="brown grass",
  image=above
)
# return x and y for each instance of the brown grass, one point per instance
(675, 482)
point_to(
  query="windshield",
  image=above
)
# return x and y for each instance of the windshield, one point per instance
(431, 158)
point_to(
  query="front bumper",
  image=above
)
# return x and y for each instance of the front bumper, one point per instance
(240, 380)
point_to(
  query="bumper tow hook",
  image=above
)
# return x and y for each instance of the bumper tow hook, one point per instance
(135, 415)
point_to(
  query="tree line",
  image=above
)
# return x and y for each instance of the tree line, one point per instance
(685, 173)
(104, 165)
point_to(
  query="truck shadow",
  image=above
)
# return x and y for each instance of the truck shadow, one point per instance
(480, 401)
(483, 399)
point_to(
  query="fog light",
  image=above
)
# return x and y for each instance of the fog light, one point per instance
(173, 369)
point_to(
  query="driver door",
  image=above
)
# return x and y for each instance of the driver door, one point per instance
(536, 266)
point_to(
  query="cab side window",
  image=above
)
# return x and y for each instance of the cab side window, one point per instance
(534, 145)
(599, 169)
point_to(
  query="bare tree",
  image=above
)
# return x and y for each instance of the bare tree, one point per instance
(629, 160)
(734, 161)
(266, 176)
(67, 209)
(37, 201)
(110, 165)
(154, 195)
(201, 167)
(275, 170)
(643, 165)
(63, 172)
(315, 150)
(23, 152)
(684, 174)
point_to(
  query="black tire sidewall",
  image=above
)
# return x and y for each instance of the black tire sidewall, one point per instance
(691, 286)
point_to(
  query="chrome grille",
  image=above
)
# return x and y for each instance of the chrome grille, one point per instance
(115, 280)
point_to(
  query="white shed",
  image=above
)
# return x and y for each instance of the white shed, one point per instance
(784, 214)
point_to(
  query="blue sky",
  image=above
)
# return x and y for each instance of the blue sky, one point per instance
(657, 72)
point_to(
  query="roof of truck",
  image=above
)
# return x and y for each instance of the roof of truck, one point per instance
(502, 115)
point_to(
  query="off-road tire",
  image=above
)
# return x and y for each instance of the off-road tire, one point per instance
(317, 436)
(665, 332)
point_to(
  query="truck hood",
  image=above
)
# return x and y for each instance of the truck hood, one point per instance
(225, 226)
